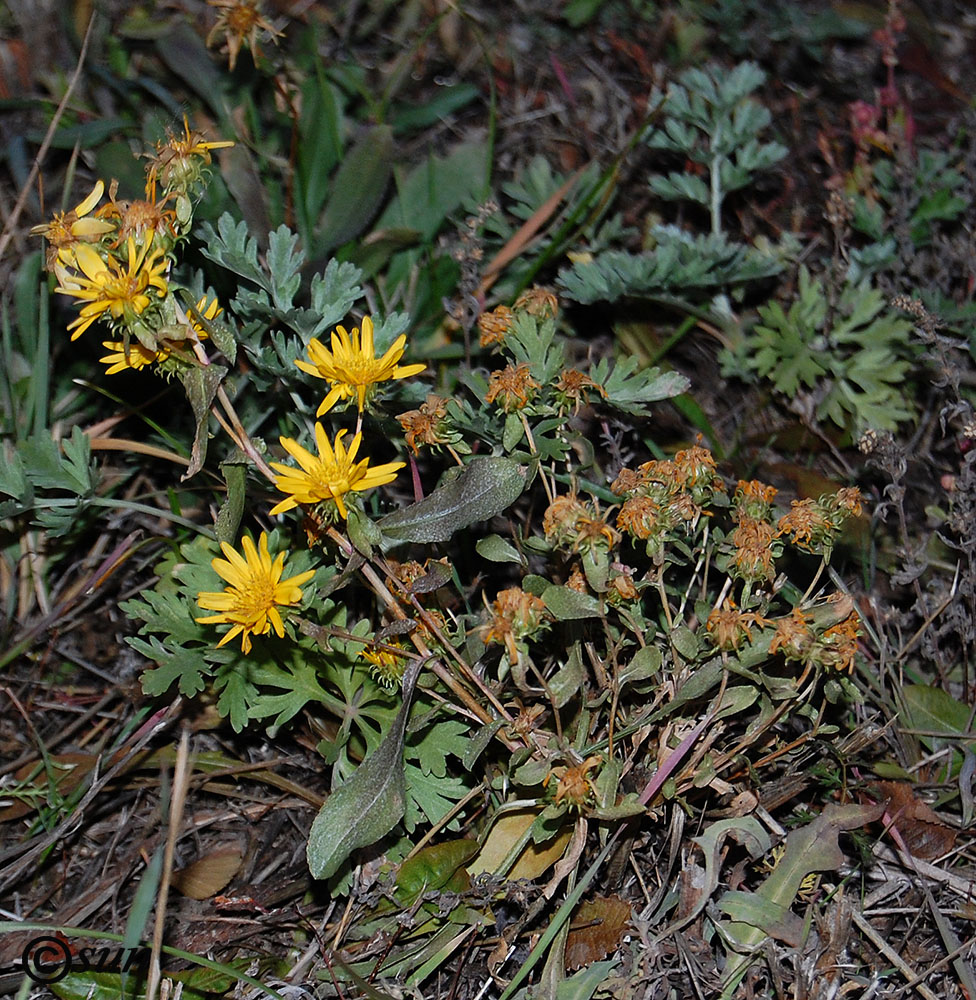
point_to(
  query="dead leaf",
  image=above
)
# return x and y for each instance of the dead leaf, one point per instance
(206, 876)
(924, 833)
(597, 930)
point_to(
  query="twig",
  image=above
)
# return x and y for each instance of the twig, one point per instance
(177, 802)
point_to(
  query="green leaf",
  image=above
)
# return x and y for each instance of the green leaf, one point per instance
(201, 383)
(432, 868)
(363, 533)
(512, 434)
(479, 742)
(645, 664)
(445, 102)
(431, 191)
(811, 848)
(186, 666)
(13, 481)
(232, 247)
(443, 737)
(357, 190)
(494, 548)
(299, 680)
(583, 984)
(430, 798)
(47, 468)
(333, 293)
(321, 145)
(568, 680)
(682, 268)
(183, 51)
(370, 803)
(232, 509)
(685, 642)
(284, 266)
(564, 603)
(932, 709)
(485, 487)
(596, 567)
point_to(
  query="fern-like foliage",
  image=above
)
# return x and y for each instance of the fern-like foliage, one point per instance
(711, 119)
(682, 269)
(853, 362)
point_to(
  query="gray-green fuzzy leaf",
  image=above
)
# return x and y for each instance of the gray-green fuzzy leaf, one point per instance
(485, 487)
(365, 808)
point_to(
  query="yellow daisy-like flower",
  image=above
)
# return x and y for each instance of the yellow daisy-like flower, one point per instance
(330, 476)
(67, 229)
(137, 358)
(352, 366)
(250, 604)
(110, 287)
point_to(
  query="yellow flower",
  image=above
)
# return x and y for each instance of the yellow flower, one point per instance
(69, 228)
(352, 366)
(386, 667)
(137, 358)
(108, 286)
(250, 604)
(330, 476)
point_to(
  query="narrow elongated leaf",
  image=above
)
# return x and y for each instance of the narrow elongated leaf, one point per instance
(232, 509)
(370, 803)
(485, 487)
(357, 190)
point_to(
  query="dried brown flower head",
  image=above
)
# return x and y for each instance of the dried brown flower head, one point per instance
(754, 499)
(425, 425)
(793, 636)
(638, 516)
(493, 326)
(752, 559)
(241, 23)
(809, 525)
(515, 615)
(512, 387)
(573, 388)
(729, 627)
(538, 302)
(573, 783)
(838, 645)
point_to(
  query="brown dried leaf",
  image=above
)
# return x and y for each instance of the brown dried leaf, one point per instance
(206, 876)
(924, 833)
(597, 931)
